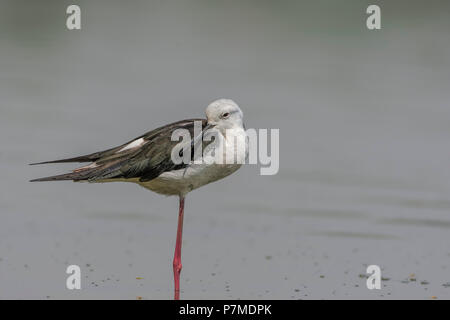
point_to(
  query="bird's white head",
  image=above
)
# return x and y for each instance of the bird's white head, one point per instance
(224, 114)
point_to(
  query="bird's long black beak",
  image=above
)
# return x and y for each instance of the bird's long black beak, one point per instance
(207, 127)
(200, 136)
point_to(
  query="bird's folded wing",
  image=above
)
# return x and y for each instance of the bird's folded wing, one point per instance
(145, 157)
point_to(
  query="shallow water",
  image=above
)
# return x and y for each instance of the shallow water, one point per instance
(364, 128)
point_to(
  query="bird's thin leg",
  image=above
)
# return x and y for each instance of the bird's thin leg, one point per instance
(177, 255)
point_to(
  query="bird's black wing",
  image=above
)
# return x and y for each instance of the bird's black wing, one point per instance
(146, 161)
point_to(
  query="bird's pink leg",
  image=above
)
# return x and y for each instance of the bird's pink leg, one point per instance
(177, 255)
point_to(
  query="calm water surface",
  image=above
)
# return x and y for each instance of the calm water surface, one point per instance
(364, 153)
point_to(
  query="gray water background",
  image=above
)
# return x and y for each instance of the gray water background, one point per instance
(364, 148)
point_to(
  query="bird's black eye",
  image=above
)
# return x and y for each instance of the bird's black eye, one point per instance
(225, 115)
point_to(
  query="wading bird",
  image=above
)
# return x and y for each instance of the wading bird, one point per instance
(148, 160)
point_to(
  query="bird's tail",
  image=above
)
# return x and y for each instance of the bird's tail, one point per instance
(75, 176)
(90, 172)
(86, 158)
(83, 173)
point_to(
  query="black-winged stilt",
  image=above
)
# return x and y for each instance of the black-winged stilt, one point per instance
(148, 161)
